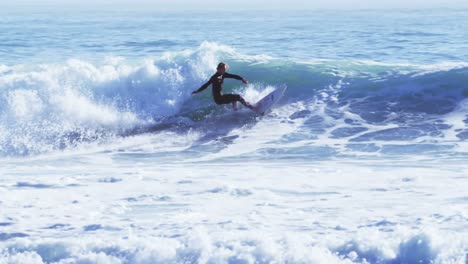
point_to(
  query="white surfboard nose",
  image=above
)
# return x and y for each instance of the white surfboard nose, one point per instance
(268, 101)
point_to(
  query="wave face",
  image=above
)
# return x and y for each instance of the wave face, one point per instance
(49, 107)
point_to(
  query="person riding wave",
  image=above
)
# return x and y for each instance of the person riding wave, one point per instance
(217, 85)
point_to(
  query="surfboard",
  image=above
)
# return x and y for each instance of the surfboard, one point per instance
(264, 104)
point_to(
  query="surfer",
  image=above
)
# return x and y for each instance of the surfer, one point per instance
(217, 83)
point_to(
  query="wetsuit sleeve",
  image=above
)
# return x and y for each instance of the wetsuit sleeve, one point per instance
(233, 76)
(203, 87)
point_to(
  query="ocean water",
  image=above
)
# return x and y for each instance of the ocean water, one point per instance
(106, 157)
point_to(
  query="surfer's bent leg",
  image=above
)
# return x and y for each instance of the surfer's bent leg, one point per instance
(230, 98)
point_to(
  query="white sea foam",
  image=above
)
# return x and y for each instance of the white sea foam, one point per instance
(172, 213)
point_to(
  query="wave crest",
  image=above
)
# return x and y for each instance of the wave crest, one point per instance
(42, 105)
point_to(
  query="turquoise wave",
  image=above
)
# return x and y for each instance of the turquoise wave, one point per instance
(48, 107)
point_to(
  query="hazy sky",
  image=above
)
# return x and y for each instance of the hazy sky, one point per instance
(239, 4)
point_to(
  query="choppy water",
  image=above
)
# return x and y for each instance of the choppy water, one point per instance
(108, 158)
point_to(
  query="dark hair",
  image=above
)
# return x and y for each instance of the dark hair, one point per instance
(221, 65)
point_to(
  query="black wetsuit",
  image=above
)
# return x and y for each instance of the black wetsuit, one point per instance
(217, 82)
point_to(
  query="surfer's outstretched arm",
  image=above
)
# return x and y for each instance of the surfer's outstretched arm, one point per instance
(237, 77)
(203, 87)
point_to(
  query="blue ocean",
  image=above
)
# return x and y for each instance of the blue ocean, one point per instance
(107, 157)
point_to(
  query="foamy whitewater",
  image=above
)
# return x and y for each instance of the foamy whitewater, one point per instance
(106, 157)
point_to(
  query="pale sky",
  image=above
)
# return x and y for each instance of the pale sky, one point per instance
(240, 4)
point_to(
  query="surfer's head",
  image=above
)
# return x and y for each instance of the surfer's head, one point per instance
(222, 67)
